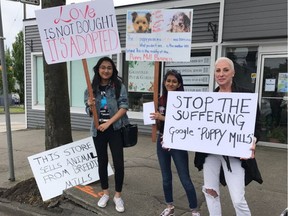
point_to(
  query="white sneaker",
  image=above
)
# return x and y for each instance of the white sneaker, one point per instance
(119, 204)
(103, 201)
(168, 212)
(195, 214)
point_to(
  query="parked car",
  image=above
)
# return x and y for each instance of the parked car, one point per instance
(15, 99)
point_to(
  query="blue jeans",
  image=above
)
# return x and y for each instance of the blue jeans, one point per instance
(181, 162)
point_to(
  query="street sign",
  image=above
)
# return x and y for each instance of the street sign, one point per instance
(33, 2)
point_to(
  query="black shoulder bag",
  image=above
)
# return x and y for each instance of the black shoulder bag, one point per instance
(129, 132)
(129, 135)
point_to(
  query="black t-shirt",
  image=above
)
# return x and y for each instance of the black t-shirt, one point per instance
(104, 112)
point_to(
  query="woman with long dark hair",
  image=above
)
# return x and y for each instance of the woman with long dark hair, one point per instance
(111, 101)
(172, 82)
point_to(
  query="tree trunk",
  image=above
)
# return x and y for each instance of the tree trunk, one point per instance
(57, 107)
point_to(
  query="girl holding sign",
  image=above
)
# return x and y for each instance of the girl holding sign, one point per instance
(111, 103)
(235, 172)
(173, 82)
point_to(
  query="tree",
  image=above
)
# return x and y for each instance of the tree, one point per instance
(10, 74)
(57, 107)
(18, 64)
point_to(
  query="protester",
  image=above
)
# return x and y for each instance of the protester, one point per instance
(235, 172)
(172, 82)
(110, 99)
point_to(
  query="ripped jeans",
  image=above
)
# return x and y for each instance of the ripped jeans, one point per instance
(235, 181)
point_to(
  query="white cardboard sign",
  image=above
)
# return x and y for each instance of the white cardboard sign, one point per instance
(64, 167)
(211, 122)
(78, 31)
(159, 35)
(148, 108)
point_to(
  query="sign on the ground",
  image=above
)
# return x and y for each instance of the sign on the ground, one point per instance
(64, 167)
(211, 122)
(78, 31)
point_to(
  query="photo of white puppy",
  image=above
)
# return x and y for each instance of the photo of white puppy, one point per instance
(180, 22)
(141, 23)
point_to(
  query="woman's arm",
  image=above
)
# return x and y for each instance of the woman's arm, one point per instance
(121, 112)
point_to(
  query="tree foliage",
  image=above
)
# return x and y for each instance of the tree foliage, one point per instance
(9, 72)
(57, 107)
(18, 64)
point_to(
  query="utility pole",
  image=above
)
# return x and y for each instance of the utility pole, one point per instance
(6, 105)
(5, 88)
(24, 11)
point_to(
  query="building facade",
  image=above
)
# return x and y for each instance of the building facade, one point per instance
(252, 33)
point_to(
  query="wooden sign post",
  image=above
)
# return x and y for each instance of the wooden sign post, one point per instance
(90, 91)
(155, 97)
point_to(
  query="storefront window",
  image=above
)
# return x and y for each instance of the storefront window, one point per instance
(245, 64)
(39, 88)
(139, 82)
(76, 77)
(77, 80)
(274, 99)
(196, 73)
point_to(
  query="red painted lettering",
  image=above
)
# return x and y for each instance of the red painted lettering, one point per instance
(74, 14)
(64, 51)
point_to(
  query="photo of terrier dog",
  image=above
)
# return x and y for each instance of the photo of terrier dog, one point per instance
(180, 23)
(141, 23)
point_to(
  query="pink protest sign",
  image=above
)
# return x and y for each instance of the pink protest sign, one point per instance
(78, 31)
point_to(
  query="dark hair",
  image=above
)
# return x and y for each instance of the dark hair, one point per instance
(115, 79)
(163, 98)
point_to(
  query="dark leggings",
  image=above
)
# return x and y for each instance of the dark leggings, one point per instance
(116, 147)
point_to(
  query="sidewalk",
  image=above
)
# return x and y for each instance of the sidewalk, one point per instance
(17, 122)
(142, 191)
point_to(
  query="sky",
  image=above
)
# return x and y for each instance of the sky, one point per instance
(12, 16)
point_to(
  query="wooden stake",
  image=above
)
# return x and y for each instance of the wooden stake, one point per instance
(155, 97)
(90, 91)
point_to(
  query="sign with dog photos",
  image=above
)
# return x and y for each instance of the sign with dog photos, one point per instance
(159, 35)
(66, 166)
(78, 31)
(210, 122)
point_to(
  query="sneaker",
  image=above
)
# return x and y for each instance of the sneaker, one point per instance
(195, 214)
(103, 201)
(119, 204)
(168, 212)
